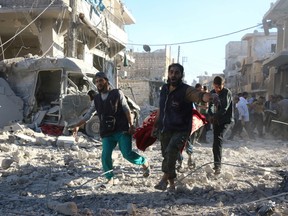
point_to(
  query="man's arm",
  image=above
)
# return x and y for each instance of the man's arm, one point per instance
(127, 112)
(196, 96)
(86, 117)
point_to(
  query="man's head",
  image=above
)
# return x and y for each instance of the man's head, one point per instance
(261, 99)
(218, 84)
(101, 81)
(245, 95)
(205, 88)
(175, 74)
(199, 87)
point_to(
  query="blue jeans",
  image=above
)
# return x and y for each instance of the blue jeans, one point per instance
(125, 145)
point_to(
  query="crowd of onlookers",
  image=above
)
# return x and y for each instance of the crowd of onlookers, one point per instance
(254, 115)
(262, 116)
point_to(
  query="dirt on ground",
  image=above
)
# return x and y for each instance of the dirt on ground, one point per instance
(47, 175)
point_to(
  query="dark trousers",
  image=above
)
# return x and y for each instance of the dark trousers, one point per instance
(218, 132)
(189, 144)
(171, 145)
(258, 122)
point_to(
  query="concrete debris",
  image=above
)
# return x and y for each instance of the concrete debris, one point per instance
(67, 208)
(131, 209)
(13, 128)
(265, 208)
(26, 138)
(11, 108)
(37, 169)
(65, 141)
(6, 163)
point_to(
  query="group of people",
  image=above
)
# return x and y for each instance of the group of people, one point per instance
(252, 113)
(173, 122)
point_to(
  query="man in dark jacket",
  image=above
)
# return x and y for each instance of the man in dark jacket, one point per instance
(174, 120)
(221, 113)
(116, 126)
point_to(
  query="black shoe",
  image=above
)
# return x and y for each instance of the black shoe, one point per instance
(162, 185)
(217, 170)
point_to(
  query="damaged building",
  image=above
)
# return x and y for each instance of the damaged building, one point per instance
(146, 76)
(50, 50)
(276, 66)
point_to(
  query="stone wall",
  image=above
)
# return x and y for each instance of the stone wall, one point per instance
(151, 66)
(138, 90)
(143, 92)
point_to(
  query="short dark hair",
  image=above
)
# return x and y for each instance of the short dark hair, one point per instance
(101, 75)
(218, 80)
(180, 67)
(198, 85)
(245, 94)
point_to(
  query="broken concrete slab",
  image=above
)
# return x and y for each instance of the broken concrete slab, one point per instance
(13, 128)
(25, 137)
(11, 106)
(39, 117)
(64, 141)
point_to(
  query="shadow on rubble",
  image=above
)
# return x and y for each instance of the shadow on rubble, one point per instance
(35, 186)
(183, 199)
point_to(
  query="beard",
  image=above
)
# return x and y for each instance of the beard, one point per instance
(103, 88)
(174, 82)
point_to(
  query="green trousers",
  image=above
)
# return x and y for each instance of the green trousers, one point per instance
(125, 145)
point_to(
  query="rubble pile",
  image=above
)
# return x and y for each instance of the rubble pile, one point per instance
(49, 175)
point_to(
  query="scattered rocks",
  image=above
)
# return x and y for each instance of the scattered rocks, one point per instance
(6, 163)
(37, 169)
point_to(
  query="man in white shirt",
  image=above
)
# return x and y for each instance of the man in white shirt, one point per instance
(243, 110)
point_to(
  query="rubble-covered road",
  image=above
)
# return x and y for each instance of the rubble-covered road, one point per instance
(43, 175)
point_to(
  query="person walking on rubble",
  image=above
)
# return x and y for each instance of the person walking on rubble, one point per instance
(258, 115)
(203, 109)
(116, 126)
(195, 136)
(173, 120)
(237, 127)
(244, 114)
(221, 114)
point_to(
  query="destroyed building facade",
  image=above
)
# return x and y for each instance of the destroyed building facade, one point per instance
(36, 39)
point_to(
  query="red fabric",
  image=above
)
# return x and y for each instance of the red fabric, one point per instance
(143, 134)
(198, 120)
(53, 130)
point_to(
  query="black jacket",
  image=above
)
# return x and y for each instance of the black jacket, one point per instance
(222, 113)
(175, 112)
(109, 110)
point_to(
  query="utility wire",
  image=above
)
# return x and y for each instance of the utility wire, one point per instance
(199, 40)
(52, 2)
